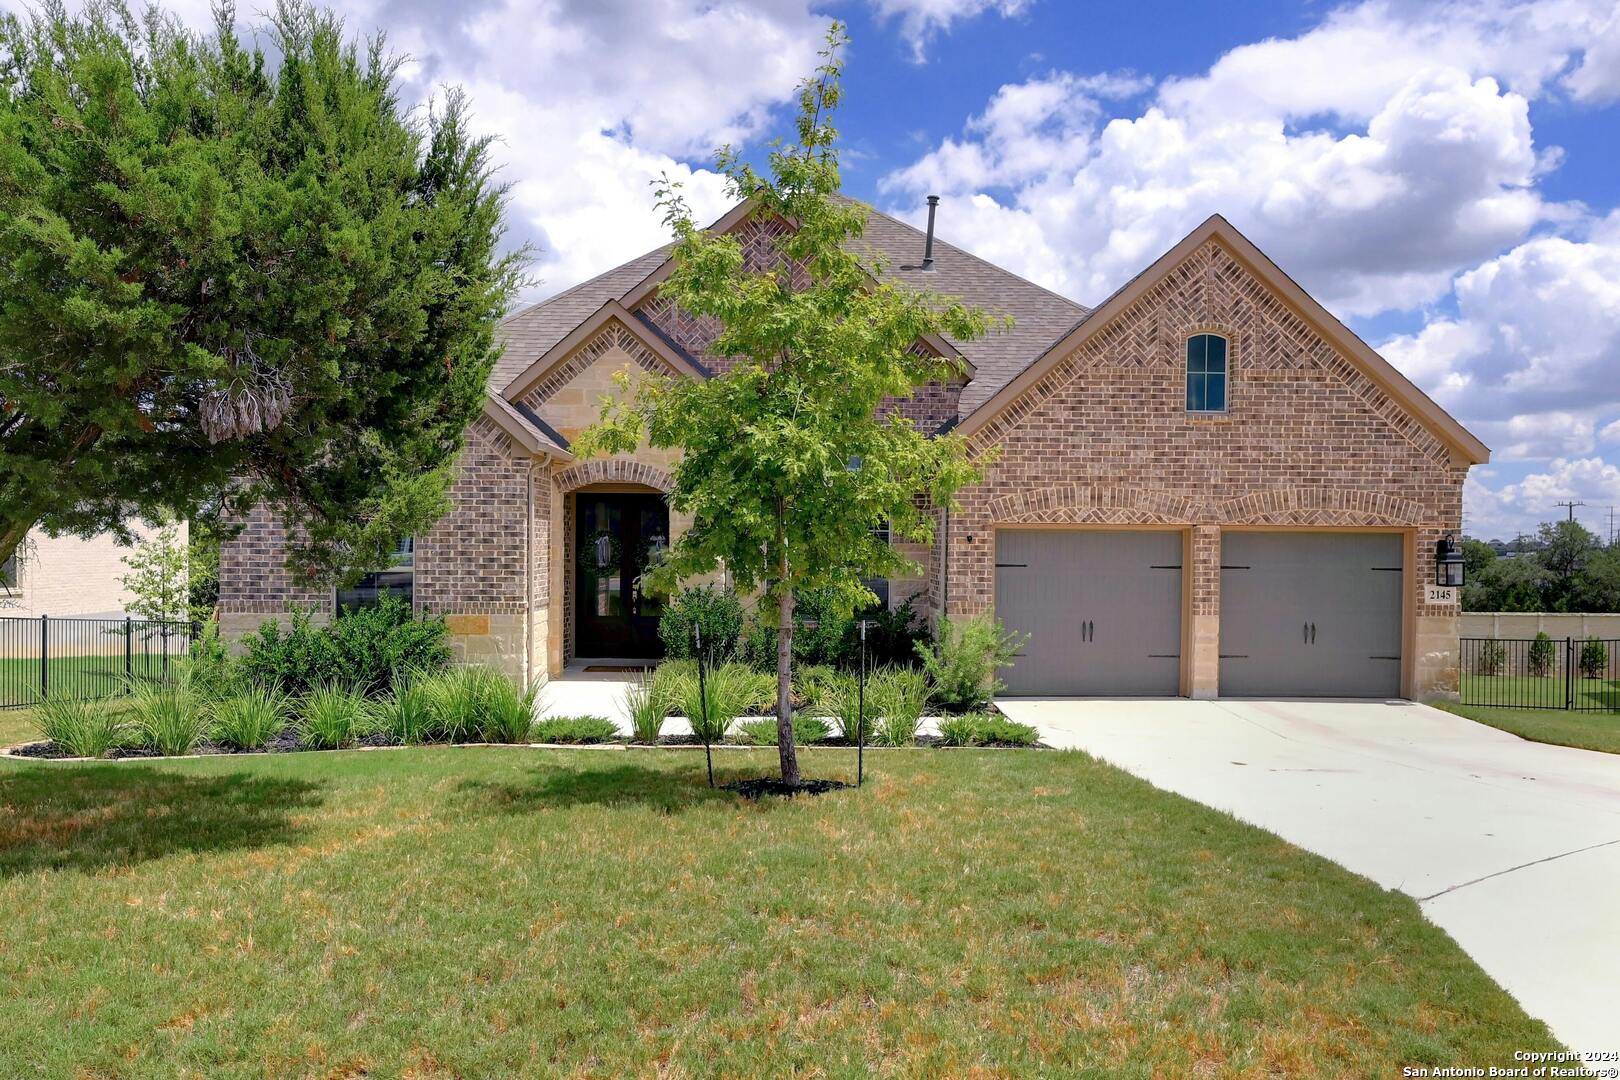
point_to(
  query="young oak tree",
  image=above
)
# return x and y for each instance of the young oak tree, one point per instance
(787, 459)
(224, 280)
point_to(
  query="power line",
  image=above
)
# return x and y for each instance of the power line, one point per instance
(1571, 504)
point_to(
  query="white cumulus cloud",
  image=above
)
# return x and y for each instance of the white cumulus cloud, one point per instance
(1375, 156)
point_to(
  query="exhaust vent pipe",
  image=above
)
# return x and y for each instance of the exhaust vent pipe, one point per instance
(928, 244)
(927, 263)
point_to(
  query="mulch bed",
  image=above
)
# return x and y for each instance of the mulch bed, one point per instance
(773, 785)
(39, 750)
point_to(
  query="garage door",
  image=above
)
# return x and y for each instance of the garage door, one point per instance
(1310, 615)
(1102, 610)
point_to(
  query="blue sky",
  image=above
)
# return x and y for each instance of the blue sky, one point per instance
(1442, 175)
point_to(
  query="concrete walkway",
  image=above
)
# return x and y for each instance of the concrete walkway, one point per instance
(1512, 847)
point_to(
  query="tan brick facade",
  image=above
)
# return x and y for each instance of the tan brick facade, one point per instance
(1308, 441)
(1093, 436)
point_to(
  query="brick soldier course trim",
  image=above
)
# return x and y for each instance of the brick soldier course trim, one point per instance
(616, 470)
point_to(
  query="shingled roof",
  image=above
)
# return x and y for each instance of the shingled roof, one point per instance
(1040, 316)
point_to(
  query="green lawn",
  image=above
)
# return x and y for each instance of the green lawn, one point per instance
(1587, 730)
(486, 912)
(81, 676)
(16, 726)
(1508, 691)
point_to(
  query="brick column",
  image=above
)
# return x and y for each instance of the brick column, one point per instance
(1204, 634)
(1435, 627)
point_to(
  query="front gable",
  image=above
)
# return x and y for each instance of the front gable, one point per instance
(1099, 432)
(564, 387)
(1216, 281)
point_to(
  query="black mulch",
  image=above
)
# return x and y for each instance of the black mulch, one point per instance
(772, 785)
(39, 750)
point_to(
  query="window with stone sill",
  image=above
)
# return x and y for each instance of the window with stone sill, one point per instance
(399, 579)
(1206, 373)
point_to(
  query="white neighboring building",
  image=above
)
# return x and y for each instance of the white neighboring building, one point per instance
(65, 576)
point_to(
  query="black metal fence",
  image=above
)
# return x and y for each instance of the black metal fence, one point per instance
(87, 658)
(1541, 673)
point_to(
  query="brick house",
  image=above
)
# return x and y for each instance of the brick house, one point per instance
(1205, 485)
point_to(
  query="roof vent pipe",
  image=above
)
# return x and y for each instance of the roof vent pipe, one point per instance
(928, 244)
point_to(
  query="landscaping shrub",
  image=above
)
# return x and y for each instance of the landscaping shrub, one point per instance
(806, 730)
(645, 706)
(1542, 654)
(716, 611)
(249, 718)
(80, 728)
(893, 636)
(366, 648)
(896, 697)
(1492, 655)
(980, 729)
(1594, 658)
(508, 710)
(823, 636)
(211, 671)
(408, 714)
(962, 661)
(168, 719)
(575, 729)
(375, 644)
(332, 717)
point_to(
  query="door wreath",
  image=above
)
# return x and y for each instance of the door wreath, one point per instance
(601, 553)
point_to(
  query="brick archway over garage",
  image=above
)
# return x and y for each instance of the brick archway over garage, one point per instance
(614, 471)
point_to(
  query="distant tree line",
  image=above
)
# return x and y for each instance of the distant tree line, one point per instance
(1565, 568)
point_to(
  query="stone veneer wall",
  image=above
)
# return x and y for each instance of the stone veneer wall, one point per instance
(1308, 441)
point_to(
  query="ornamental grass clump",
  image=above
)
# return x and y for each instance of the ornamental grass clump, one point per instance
(168, 719)
(332, 717)
(723, 695)
(78, 727)
(507, 710)
(460, 701)
(644, 704)
(898, 696)
(248, 719)
(408, 714)
(838, 700)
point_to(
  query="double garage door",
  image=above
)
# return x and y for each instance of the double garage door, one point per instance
(1302, 614)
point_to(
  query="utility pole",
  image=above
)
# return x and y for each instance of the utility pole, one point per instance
(1611, 526)
(1571, 504)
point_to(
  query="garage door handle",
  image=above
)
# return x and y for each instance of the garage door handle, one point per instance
(1313, 633)
(1305, 633)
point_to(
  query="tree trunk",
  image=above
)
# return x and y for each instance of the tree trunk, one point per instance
(784, 661)
(12, 532)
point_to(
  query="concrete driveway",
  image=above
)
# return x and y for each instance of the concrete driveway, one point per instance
(1512, 847)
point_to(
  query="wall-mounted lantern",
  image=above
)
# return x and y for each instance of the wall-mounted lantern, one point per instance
(1448, 561)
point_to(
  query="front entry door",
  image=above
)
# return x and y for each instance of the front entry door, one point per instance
(615, 536)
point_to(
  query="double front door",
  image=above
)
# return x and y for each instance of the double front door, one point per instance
(616, 536)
